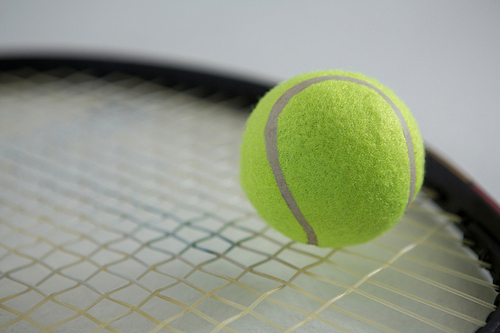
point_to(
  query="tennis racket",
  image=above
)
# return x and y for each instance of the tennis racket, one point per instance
(121, 211)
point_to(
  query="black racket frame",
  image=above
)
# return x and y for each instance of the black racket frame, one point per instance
(454, 192)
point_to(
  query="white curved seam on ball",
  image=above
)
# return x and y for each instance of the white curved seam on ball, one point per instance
(271, 141)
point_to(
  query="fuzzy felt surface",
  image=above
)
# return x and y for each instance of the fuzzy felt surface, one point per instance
(344, 157)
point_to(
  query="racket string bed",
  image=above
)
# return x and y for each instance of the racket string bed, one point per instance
(120, 211)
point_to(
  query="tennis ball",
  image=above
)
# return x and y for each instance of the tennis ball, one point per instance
(331, 158)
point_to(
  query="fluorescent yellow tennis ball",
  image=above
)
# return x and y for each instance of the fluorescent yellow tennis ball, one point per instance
(331, 158)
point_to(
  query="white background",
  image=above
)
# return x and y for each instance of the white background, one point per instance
(441, 57)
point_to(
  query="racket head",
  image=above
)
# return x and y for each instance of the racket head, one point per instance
(122, 211)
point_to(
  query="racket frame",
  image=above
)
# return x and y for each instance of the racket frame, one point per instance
(454, 192)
